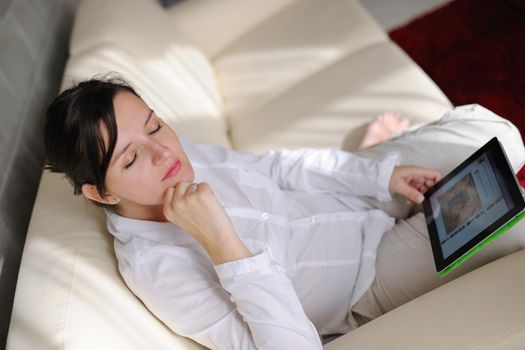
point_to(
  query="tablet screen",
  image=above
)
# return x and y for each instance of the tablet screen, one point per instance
(470, 203)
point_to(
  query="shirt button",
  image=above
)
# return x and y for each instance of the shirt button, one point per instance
(264, 216)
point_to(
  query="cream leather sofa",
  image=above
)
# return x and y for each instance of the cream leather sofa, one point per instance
(251, 75)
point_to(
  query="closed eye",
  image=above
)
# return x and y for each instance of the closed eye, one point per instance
(132, 161)
(159, 126)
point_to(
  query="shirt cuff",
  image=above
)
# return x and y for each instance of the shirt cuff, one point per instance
(386, 167)
(255, 265)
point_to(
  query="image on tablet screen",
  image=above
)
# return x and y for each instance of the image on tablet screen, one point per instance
(470, 202)
(459, 203)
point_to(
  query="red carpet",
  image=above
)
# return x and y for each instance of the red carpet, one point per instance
(475, 52)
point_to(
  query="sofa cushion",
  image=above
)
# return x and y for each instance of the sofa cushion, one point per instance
(130, 23)
(204, 21)
(180, 86)
(331, 107)
(484, 309)
(297, 42)
(135, 39)
(69, 272)
(69, 279)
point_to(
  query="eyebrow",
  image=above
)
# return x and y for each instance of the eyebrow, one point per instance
(150, 113)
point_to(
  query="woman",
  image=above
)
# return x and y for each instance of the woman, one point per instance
(231, 249)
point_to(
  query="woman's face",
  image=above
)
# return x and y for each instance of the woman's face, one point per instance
(148, 157)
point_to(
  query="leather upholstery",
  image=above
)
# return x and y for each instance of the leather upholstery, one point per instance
(282, 74)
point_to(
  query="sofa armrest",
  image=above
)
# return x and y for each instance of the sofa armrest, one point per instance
(484, 309)
(70, 294)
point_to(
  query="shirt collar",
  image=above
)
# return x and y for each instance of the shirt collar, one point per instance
(124, 228)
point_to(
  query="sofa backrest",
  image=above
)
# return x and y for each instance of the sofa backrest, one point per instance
(33, 49)
(215, 25)
(142, 46)
(68, 258)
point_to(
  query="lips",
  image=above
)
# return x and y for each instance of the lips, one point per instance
(173, 170)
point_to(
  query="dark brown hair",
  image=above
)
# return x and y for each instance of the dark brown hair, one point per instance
(74, 144)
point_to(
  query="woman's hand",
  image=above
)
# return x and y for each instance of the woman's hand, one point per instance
(411, 182)
(195, 209)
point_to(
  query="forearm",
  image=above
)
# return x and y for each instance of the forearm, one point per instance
(194, 208)
(253, 307)
(265, 298)
(328, 170)
(226, 247)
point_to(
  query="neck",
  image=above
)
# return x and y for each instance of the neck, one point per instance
(141, 212)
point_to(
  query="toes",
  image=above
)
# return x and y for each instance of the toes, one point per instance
(404, 123)
(383, 127)
(390, 115)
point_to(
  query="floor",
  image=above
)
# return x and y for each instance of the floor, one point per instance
(394, 13)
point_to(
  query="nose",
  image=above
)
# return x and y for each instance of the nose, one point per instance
(159, 153)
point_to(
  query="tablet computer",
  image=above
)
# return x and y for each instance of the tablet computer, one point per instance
(472, 205)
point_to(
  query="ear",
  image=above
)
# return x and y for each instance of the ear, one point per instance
(90, 191)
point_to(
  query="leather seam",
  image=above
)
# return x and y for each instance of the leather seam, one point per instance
(69, 298)
(496, 339)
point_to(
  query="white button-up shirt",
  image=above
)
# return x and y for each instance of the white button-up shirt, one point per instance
(314, 244)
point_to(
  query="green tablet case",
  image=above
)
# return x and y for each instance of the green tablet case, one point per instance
(483, 243)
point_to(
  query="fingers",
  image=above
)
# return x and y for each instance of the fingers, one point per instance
(430, 182)
(169, 194)
(191, 189)
(414, 181)
(425, 174)
(422, 185)
(185, 189)
(168, 199)
(422, 179)
(435, 177)
(181, 190)
(201, 188)
(411, 193)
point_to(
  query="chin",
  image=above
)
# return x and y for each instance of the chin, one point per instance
(189, 176)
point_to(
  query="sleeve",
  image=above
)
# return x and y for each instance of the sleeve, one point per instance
(248, 304)
(326, 170)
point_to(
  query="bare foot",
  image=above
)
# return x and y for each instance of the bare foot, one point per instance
(384, 127)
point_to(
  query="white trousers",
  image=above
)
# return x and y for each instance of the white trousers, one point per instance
(405, 267)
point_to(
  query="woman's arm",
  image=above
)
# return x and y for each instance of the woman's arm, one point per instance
(251, 306)
(194, 208)
(310, 169)
(411, 182)
(326, 170)
(340, 171)
(307, 169)
(262, 310)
